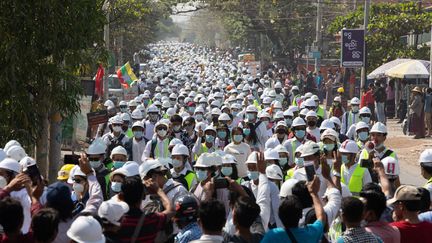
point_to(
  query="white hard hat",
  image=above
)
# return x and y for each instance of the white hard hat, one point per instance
(264, 114)
(131, 168)
(137, 114)
(206, 160)
(349, 146)
(379, 128)
(117, 119)
(308, 95)
(132, 103)
(281, 149)
(304, 112)
(118, 150)
(199, 109)
(288, 112)
(210, 128)
(224, 117)
(277, 104)
(426, 156)
(293, 108)
(152, 108)
(16, 152)
(229, 159)
(337, 99)
(274, 172)
(295, 88)
(175, 141)
(335, 120)
(113, 211)
(309, 148)
(171, 112)
(166, 104)
(355, 101)
(149, 165)
(180, 149)
(298, 121)
(365, 110)
(252, 158)
(86, 229)
(10, 144)
(391, 166)
(281, 123)
(98, 146)
(27, 162)
(173, 96)
(125, 117)
(309, 103)
(216, 111)
(272, 93)
(271, 154)
(10, 164)
(361, 125)
(215, 103)
(311, 114)
(327, 124)
(267, 100)
(286, 188)
(123, 103)
(315, 98)
(138, 124)
(251, 108)
(278, 85)
(330, 134)
(109, 103)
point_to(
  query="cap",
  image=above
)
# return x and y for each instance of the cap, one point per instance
(405, 193)
(112, 211)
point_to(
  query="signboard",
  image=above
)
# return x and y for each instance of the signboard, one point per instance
(98, 117)
(353, 48)
(81, 118)
(253, 67)
(315, 54)
(247, 57)
(130, 93)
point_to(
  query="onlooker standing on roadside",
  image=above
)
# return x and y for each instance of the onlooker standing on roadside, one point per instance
(416, 124)
(380, 99)
(390, 102)
(428, 110)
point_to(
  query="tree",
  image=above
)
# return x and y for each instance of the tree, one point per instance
(387, 24)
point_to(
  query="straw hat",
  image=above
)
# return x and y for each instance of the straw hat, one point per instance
(417, 89)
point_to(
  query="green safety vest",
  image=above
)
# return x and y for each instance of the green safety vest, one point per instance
(129, 133)
(320, 112)
(290, 174)
(203, 149)
(240, 181)
(293, 147)
(355, 184)
(257, 105)
(165, 152)
(294, 102)
(189, 177)
(350, 115)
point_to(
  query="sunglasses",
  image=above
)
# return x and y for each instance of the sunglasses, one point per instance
(78, 180)
(162, 128)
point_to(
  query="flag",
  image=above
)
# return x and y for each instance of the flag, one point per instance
(98, 81)
(126, 75)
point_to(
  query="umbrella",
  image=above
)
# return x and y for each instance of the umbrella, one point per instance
(379, 72)
(410, 69)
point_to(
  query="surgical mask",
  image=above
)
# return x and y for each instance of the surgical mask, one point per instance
(176, 163)
(117, 128)
(138, 134)
(209, 138)
(329, 147)
(3, 182)
(250, 116)
(162, 133)
(198, 117)
(222, 134)
(355, 109)
(365, 119)
(77, 187)
(177, 128)
(235, 113)
(253, 175)
(118, 164)
(246, 131)
(201, 175)
(227, 171)
(363, 136)
(116, 186)
(345, 159)
(123, 109)
(300, 133)
(288, 122)
(95, 164)
(266, 123)
(299, 162)
(191, 109)
(283, 161)
(238, 138)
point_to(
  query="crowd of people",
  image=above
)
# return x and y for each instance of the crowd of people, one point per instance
(207, 152)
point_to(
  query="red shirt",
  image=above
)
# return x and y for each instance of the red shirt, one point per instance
(420, 232)
(368, 97)
(27, 238)
(153, 223)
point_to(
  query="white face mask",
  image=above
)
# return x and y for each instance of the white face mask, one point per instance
(77, 187)
(176, 163)
(117, 129)
(162, 133)
(3, 182)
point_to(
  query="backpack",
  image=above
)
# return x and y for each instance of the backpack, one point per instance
(114, 142)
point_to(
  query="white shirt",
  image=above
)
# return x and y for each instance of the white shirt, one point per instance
(289, 146)
(186, 168)
(348, 173)
(300, 175)
(222, 195)
(275, 202)
(23, 197)
(138, 148)
(149, 130)
(240, 152)
(209, 239)
(263, 199)
(175, 191)
(315, 132)
(353, 118)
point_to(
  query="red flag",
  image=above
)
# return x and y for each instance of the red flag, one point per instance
(98, 81)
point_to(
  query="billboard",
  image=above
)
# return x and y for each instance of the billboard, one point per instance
(353, 48)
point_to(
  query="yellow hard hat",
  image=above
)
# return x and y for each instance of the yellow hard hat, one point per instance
(63, 173)
(340, 90)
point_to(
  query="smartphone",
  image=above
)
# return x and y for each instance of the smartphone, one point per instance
(221, 183)
(71, 159)
(34, 174)
(310, 170)
(366, 163)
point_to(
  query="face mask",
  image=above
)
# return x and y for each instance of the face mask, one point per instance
(118, 164)
(191, 109)
(95, 164)
(222, 134)
(153, 117)
(146, 102)
(234, 113)
(355, 109)
(138, 134)
(227, 171)
(117, 129)
(116, 186)
(344, 158)
(201, 175)
(329, 147)
(176, 163)
(209, 138)
(365, 119)
(311, 123)
(238, 138)
(253, 175)
(162, 133)
(250, 116)
(266, 123)
(363, 136)
(123, 110)
(176, 128)
(77, 187)
(198, 117)
(300, 133)
(283, 161)
(288, 122)
(246, 131)
(3, 182)
(299, 162)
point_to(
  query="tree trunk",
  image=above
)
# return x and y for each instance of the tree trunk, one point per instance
(54, 147)
(42, 147)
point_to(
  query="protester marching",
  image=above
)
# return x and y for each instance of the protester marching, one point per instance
(211, 152)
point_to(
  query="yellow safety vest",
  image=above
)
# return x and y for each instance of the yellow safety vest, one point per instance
(355, 184)
(294, 102)
(290, 174)
(203, 149)
(165, 152)
(320, 112)
(189, 179)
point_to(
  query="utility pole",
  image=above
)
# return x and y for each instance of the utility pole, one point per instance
(366, 22)
(318, 34)
(105, 8)
(430, 57)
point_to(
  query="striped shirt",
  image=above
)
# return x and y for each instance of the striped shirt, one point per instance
(153, 223)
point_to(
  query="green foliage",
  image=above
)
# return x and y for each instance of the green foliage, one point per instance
(43, 44)
(387, 24)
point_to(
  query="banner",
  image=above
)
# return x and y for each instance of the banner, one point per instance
(353, 48)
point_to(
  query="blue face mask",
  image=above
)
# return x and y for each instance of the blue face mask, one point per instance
(300, 133)
(250, 116)
(365, 119)
(238, 138)
(116, 186)
(246, 131)
(329, 147)
(138, 134)
(226, 171)
(363, 136)
(299, 162)
(345, 159)
(253, 175)
(209, 138)
(118, 164)
(283, 161)
(288, 122)
(201, 175)
(222, 134)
